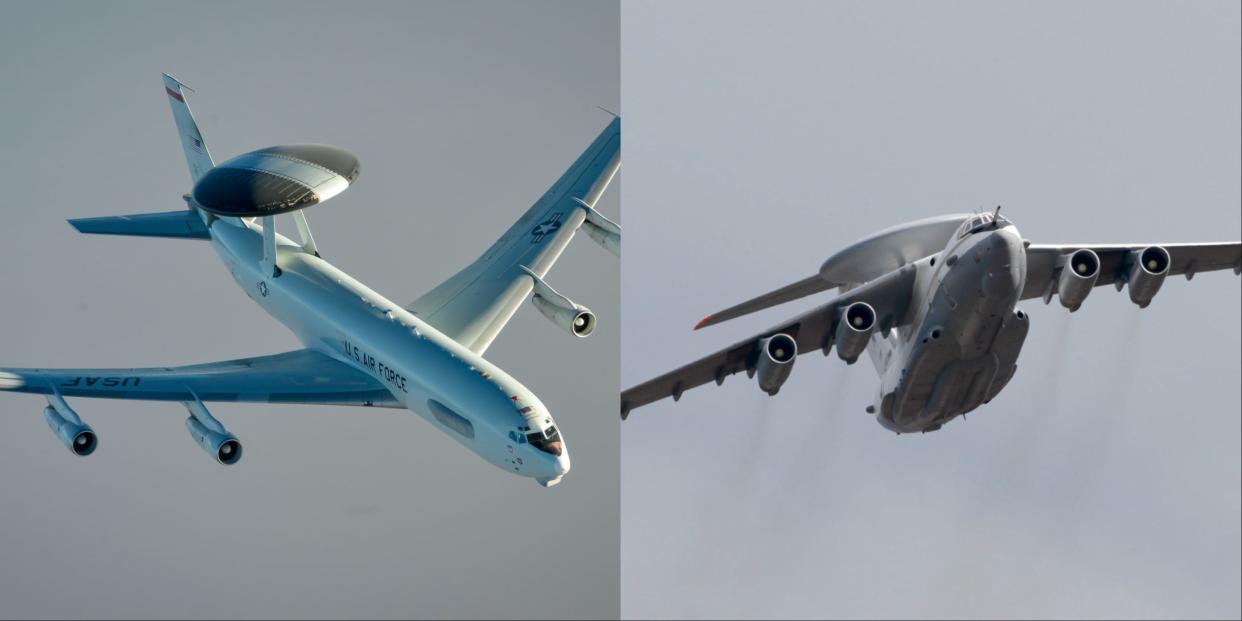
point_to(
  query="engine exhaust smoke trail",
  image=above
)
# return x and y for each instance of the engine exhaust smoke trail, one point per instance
(813, 438)
(821, 435)
(1130, 331)
(1116, 385)
(838, 393)
(755, 443)
(1050, 389)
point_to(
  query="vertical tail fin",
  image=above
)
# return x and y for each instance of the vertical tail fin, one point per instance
(196, 155)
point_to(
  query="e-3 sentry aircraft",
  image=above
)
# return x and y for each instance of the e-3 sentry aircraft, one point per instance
(361, 349)
(933, 303)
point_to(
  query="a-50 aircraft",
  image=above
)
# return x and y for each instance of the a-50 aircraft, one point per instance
(933, 303)
(361, 349)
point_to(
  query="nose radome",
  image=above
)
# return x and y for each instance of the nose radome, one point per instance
(562, 463)
(1004, 263)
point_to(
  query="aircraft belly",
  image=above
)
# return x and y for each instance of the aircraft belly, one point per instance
(941, 380)
(960, 357)
(918, 380)
(1007, 346)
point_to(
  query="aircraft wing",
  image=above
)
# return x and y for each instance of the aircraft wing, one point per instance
(302, 376)
(474, 305)
(1184, 259)
(807, 286)
(889, 295)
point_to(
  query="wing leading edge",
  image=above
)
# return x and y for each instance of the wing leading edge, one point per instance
(302, 376)
(473, 306)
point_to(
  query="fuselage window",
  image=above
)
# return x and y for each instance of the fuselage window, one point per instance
(451, 419)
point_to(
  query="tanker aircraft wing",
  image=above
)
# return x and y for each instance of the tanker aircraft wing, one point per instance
(888, 297)
(473, 306)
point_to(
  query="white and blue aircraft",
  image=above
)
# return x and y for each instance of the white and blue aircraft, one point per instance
(361, 349)
(934, 304)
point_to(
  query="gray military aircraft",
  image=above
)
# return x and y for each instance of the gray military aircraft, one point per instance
(933, 302)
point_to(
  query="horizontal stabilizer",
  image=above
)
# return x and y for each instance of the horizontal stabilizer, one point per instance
(182, 224)
(788, 293)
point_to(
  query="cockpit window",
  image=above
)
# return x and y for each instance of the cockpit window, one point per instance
(983, 222)
(548, 440)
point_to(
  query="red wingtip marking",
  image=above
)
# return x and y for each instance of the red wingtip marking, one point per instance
(703, 322)
(174, 94)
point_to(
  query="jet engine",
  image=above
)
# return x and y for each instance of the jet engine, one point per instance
(562, 311)
(68, 426)
(1148, 267)
(211, 435)
(776, 359)
(854, 328)
(577, 319)
(1079, 271)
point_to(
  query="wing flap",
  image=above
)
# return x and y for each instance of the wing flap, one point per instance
(302, 376)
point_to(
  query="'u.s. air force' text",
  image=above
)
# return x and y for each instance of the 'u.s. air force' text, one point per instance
(389, 375)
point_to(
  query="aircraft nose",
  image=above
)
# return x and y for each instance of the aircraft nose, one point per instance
(1003, 263)
(557, 467)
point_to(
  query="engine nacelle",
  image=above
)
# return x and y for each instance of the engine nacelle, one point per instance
(1079, 271)
(776, 359)
(854, 329)
(609, 240)
(577, 319)
(603, 231)
(223, 446)
(77, 436)
(1148, 267)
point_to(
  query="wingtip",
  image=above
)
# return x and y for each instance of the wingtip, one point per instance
(703, 323)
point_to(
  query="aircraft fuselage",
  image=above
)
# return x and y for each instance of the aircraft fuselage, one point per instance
(962, 345)
(457, 391)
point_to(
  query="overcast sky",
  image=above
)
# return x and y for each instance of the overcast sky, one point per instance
(462, 115)
(760, 138)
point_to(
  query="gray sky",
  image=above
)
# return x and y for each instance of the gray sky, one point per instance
(1104, 481)
(462, 114)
